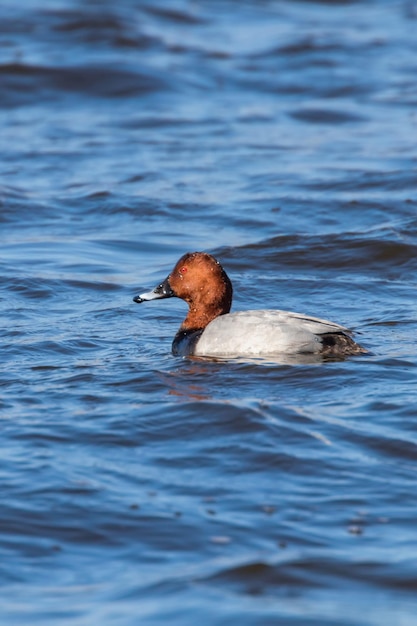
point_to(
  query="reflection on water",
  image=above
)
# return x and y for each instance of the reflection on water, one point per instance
(276, 360)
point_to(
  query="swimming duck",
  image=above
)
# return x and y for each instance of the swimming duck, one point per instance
(210, 330)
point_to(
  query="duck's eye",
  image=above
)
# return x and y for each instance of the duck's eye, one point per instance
(183, 270)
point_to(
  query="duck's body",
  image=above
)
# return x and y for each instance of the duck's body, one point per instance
(267, 333)
(210, 330)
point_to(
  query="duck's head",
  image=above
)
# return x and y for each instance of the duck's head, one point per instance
(199, 279)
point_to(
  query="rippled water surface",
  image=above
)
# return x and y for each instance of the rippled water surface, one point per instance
(140, 488)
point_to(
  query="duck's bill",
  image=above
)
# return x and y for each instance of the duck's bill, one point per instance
(161, 291)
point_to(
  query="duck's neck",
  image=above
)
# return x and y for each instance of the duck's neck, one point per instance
(203, 310)
(207, 303)
(201, 314)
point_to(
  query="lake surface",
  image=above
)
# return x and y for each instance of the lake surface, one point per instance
(140, 488)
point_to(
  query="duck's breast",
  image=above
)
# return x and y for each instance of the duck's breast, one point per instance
(263, 332)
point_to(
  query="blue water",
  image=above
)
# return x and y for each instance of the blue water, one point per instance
(140, 488)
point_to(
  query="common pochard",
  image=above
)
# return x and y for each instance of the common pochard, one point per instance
(209, 329)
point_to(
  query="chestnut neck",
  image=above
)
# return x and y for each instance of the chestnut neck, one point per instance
(200, 315)
(206, 305)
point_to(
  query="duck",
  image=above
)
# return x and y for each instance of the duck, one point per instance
(210, 330)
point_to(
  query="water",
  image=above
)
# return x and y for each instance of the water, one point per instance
(139, 488)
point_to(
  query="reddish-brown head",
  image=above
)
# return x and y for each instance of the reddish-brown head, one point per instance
(201, 281)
